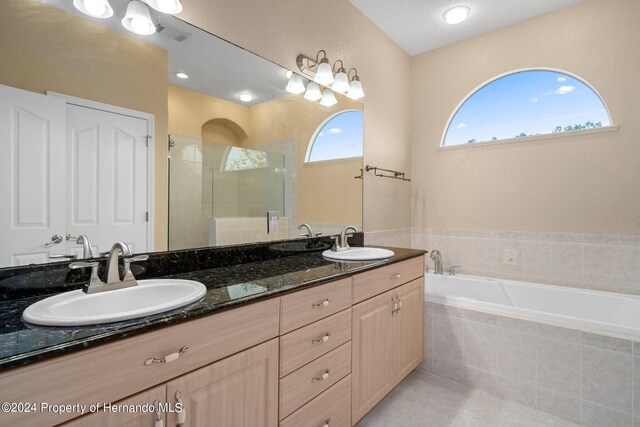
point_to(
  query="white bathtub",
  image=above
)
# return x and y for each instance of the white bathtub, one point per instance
(592, 311)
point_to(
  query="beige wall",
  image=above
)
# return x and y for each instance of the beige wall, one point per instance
(279, 30)
(583, 184)
(59, 52)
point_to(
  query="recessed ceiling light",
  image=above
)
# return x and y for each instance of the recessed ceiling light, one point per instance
(456, 14)
(182, 75)
(246, 97)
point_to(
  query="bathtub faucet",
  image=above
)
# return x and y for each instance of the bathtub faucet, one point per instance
(437, 261)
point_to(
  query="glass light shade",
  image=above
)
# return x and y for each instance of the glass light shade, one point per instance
(95, 8)
(324, 75)
(295, 85)
(246, 97)
(341, 82)
(355, 89)
(328, 98)
(313, 92)
(456, 14)
(170, 7)
(137, 19)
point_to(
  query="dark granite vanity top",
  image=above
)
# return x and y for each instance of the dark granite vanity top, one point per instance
(228, 286)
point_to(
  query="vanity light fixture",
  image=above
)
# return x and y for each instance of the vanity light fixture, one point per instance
(313, 92)
(138, 19)
(456, 14)
(246, 97)
(341, 82)
(355, 86)
(182, 75)
(95, 8)
(170, 7)
(328, 98)
(295, 85)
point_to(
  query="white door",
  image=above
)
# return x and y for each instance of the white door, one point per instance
(108, 194)
(32, 176)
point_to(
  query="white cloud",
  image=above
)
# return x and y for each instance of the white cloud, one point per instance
(561, 79)
(461, 125)
(563, 90)
(334, 131)
(548, 93)
(534, 100)
(321, 134)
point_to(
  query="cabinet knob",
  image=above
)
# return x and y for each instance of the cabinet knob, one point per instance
(394, 276)
(321, 377)
(320, 304)
(322, 339)
(168, 358)
(326, 422)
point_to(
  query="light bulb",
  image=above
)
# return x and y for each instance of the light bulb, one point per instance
(171, 7)
(328, 98)
(246, 97)
(324, 75)
(137, 19)
(341, 82)
(456, 14)
(94, 8)
(355, 89)
(182, 75)
(313, 92)
(295, 85)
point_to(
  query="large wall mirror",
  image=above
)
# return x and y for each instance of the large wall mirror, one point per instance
(103, 138)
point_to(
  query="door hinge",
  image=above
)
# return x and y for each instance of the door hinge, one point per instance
(146, 216)
(148, 138)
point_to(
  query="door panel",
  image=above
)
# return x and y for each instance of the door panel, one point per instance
(33, 175)
(409, 326)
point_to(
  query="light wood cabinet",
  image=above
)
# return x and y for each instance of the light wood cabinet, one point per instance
(387, 343)
(241, 390)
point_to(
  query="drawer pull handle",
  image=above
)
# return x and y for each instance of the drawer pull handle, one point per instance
(394, 276)
(168, 358)
(321, 377)
(321, 304)
(182, 415)
(320, 340)
(326, 422)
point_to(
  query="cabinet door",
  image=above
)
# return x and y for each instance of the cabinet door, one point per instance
(408, 325)
(241, 390)
(372, 357)
(128, 419)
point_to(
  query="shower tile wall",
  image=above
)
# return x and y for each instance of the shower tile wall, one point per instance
(583, 377)
(594, 261)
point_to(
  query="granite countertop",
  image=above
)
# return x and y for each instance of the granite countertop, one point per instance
(227, 287)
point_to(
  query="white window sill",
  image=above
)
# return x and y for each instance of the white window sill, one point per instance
(572, 133)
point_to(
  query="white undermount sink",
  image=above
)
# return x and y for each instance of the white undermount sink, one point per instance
(359, 254)
(75, 308)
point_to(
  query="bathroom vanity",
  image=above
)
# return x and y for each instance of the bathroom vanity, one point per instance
(309, 342)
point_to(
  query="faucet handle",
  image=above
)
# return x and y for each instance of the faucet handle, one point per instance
(452, 270)
(136, 258)
(128, 275)
(95, 284)
(336, 242)
(83, 264)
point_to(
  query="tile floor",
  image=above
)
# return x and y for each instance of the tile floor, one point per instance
(422, 400)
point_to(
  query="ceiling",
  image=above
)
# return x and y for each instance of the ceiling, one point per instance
(417, 25)
(215, 66)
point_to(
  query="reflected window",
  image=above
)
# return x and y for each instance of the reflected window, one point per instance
(243, 158)
(526, 103)
(338, 137)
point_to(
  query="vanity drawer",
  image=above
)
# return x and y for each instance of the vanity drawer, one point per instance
(304, 307)
(302, 385)
(312, 341)
(379, 280)
(114, 371)
(332, 407)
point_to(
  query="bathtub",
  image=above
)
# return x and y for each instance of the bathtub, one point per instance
(570, 352)
(594, 311)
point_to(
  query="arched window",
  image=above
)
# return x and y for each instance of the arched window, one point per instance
(243, 158)
(526, 103)
(338, 137)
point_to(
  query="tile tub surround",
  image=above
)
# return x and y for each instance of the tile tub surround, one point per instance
(579, 376)
(605, 262)
(227, 287)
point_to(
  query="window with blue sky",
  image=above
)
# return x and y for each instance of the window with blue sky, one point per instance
(526, 103)
(339, 137)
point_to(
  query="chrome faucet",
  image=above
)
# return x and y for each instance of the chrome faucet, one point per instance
(341, 242)
(437, 261)
(113, 272)
(86, 246)
(310, 232)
